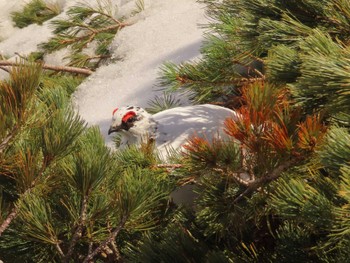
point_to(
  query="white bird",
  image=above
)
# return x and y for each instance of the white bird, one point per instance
(170, 129)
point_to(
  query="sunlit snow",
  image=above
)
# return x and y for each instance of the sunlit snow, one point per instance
(167, 30)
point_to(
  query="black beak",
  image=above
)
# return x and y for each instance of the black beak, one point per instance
(113, 129)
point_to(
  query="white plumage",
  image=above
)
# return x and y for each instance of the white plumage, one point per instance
(170, 128)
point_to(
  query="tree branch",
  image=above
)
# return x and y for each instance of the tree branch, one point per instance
(235, 175)
(5, 142)
(51, 67)
(14, 211)
(5, 69)
(90, 36)
(113, 247)
(169, 165)
(269, 177)
(121, 24)
(78, 232)
(109, 240)
(59, 249)
(116, 251)
(8, 220)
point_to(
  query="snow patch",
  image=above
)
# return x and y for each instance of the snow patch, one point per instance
(166, 30)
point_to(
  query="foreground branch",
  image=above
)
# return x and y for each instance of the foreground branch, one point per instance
(79, 229)
(109, 240)
(15, 210)
(241, 177)
(269, 177)
(51, 67)
(5, 142)
(8, 220)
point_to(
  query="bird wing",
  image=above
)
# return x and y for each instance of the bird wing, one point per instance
(177, 125)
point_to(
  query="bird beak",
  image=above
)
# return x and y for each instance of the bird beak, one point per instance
(114, 129)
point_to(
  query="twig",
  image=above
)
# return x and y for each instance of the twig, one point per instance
(91, 35)
(90, 247)
(250, 68)
(5, 142)
(5, 69)
(234, 175)
(114, 247)
(116, 252)
(110, 239)
(258, 72)
(121, 24)
(59, 249)
(14, 211)
(20, 56)
(169, 165)
(269, 177)
(51, 67)
(8, 220)
(78, 232)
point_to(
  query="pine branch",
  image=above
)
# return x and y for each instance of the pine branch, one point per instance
(46, 162)
(78, 232)
(235, 175)
(269, 177)
(109, 240)
(86, 24)
(36, 11)
(8, 220)
(116, 251)
(14, 211)
(169, 165)
(51, 67)
(113, 246)
(91, 36)
(5, 69)
(118, 22)
(250, 68)
(59, 250)
(5, 142)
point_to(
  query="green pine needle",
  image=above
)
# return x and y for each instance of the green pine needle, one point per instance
(161, 103)
(36, 11)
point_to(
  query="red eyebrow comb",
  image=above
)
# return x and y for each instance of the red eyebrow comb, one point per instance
(128, 115)
(114, 111)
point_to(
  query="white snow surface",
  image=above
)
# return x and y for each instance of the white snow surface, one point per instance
(167, 30)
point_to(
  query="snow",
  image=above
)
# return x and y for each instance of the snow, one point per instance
(22, 41)
(6, 8)
(167, 30)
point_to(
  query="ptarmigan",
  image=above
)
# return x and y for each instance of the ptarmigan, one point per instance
(170, 128)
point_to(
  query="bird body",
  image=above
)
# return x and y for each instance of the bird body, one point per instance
(171, 128)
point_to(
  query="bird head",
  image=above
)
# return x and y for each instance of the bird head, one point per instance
(123, 119)
(130, 119)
